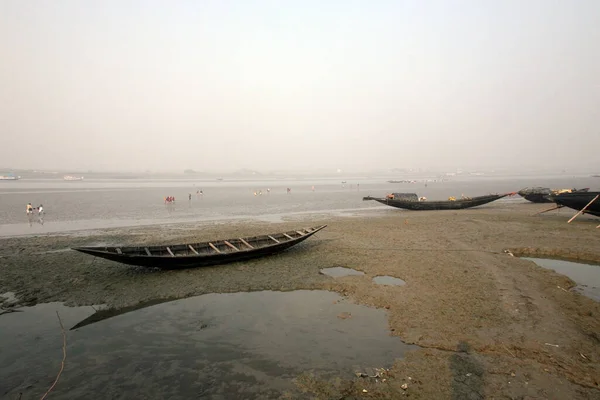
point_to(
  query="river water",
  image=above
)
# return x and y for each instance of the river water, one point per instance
(106, 203)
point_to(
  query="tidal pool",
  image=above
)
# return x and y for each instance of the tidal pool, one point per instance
(337, 272)
(214, 346)
(587, 276)
(388, 280)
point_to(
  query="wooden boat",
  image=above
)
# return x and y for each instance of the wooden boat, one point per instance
(9, 177)
(543, 195)
(578, 200)
(458, 204)
(202, 254)
(72, 178)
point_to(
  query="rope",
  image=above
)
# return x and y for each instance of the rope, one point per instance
(62, 364)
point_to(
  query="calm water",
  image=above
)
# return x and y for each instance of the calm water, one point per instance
(388, 280)
(587, 276)
(98, 203)
(337, 272)
(215, 346)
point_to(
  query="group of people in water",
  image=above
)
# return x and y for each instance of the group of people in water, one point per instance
(171, 199)
(31, 210)
(259, 192)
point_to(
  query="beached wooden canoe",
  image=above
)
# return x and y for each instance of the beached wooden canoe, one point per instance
(544, 195)
(457, 204)
(580, 200)
(202, 254)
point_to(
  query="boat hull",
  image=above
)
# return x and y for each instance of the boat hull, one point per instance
(578, 200)
(543, 195)
(194, 261)
(438, 205)
(537, 198)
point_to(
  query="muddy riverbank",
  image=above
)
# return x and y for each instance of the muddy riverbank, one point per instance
(489, 325)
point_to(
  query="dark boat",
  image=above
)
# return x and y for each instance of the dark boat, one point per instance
(543, 195)
(202, 254)
(578, 200)
(458, 204)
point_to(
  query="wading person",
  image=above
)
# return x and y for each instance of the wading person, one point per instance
(40, 211)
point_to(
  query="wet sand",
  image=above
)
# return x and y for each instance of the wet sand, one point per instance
(489, 325)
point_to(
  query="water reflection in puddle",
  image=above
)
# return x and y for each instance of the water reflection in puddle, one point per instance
(337, 272)
(216, 346)
(388, 280)
(587, 276)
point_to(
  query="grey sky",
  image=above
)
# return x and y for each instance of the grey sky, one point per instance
(288, 84)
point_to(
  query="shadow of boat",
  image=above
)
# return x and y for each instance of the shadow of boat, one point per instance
(101, 315)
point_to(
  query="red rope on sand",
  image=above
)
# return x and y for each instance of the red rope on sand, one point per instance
(62, 364)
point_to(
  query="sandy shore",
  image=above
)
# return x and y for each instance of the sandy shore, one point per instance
(482, 318)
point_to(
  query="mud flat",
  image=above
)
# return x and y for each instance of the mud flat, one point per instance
(488, 324)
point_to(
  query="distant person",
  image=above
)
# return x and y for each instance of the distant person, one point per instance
(40, 211)
(189, 196)
(313, 188)
(29, 211)
(268, 190)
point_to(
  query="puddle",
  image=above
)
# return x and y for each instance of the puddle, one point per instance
(337, 272)
(587, 276)
(215, 346)
(388, 280)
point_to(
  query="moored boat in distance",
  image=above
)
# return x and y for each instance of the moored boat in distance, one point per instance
(72, 178)
(410, 201)
(9, 177)
(190, 255)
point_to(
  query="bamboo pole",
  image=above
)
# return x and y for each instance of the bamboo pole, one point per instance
(583, 209)
(550, 209)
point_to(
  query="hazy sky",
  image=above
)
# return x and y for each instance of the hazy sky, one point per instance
(287, 84)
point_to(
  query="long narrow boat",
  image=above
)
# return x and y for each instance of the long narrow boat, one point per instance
(202, 254)
(543, 195)
(578, 200)
(458, 204)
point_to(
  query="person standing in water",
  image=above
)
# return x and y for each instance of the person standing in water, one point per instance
(41, 214)
(29, 212)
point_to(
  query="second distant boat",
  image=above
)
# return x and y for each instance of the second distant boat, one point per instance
(544, 195)
(72, 178)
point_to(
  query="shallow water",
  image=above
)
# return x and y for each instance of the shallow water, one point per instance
(587, 276)
(337, 272)
(106, 203)
(388, 280)
(218, 346)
